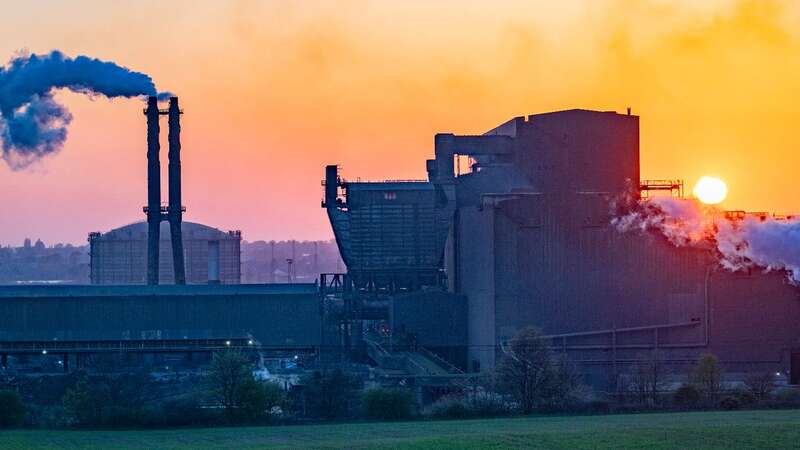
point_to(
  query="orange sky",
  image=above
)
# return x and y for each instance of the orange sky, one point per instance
(273, 91)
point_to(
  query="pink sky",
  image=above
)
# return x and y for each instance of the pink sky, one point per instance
(274, 91)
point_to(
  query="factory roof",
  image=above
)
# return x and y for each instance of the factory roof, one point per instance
(390, 184)
(154, 291)
(578, 111)
(509, 127)
(138, 230)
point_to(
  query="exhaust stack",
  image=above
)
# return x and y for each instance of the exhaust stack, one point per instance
(153, 209)
(174, 212)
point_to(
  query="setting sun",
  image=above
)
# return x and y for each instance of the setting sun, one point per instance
(710, 190)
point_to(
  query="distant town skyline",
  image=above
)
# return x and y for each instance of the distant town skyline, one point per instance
(274, 91)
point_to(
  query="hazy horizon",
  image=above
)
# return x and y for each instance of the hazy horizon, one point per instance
(274, 91)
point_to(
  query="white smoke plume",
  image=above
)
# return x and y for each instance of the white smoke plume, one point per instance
(743, 243)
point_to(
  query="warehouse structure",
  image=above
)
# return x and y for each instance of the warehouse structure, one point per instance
(108, 313)
(211, 256)
(76, 322)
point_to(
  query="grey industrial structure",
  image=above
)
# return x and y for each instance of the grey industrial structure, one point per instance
(90, 324)
(443, 272)
(211, 256)
(116, 313)
(524, 235)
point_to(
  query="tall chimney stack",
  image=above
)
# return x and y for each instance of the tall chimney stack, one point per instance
(153, 190)
(175, 212)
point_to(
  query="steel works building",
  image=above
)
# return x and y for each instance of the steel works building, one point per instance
(511, 229)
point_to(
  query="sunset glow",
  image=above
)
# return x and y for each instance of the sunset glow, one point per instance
(274, 91)
(710, 190)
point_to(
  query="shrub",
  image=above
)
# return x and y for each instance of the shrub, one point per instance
(744, 395)
(789, 396)
(598, 407)
(229, 372)
(449, 408)
(485, 404)
(46, 416)
(388, 404)
(47, 389)
(729, 403)
(132, 417)
(330, 395)
(760, 385)
(243, 398)
(488, 404)
(531, 374)
(86, 404)
(647, 377)
(275, 397)
(113, 401)
(707, 375)
(187, 411)
(12, 411)
(686, 396)
(258, 398)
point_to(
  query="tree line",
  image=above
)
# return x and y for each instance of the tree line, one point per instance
(530, 378)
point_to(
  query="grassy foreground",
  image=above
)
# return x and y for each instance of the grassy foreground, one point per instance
(722, 430)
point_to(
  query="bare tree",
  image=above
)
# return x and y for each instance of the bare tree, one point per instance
(648, 377)
(707, 375)
(568, 387)
(760, 384)
(529, 373)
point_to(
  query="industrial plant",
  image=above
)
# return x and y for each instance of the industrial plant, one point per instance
(521, 235)
(512, 228)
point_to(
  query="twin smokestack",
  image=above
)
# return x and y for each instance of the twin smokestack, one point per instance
(173, 213)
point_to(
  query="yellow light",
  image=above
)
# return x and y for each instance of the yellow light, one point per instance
(710, 190)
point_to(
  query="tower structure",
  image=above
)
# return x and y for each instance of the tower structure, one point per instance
(173, 212)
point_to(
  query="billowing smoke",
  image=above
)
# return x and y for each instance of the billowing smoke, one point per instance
(741, 243)
(32, 123)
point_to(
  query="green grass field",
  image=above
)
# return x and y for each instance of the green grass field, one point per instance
(715, 430)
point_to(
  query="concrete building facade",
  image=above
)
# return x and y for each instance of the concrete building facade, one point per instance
(532, 244)
(211, 256)
(273, 315)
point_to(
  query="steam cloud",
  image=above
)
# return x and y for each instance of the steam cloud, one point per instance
(32, 123)
(741, 244)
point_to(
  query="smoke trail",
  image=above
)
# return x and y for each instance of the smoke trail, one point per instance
(741, 244)
(32, 123)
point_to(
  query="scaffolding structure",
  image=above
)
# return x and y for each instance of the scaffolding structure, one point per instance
(674, 187)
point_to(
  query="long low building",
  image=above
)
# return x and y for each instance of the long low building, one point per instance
(272, 315)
